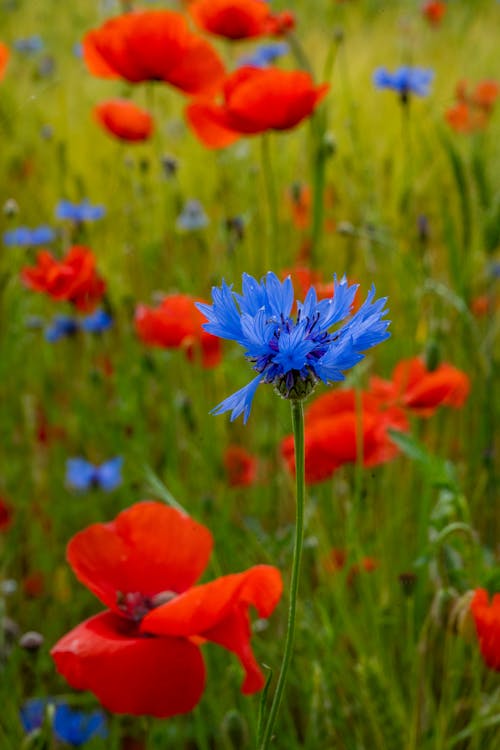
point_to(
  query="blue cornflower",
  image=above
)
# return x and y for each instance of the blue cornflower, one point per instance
(192, 217)
(79, 212)
(69, 725)
(62, 326)
(82, 475)
(292, 353)
(264, 55)
(25, 237)
(405, 80)
(98, 322)
(29, 45)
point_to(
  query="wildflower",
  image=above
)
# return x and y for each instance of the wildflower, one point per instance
(124, 119)
(405, 80)
(192, 216)
(333, 424)
(5, 514)
(62, 326)
(33, 584)
(487, 620)
(473, 108)
(73, 279)
(255, 100)
(24, 237)
(29, 45)
(82, 475)
(421, 390)
(142, 656)
(264, 55)
(176, 323)
(337, 558)
(304, 277)
(31, 641)
(69, 725)
(153, 46)
(433, 11)
(292, 354)
(281, 23)
(4, 59)
(232, 19)
(98, 322)
(240, 466)
(79, 212)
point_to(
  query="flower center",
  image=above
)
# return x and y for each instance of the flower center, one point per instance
(135, 605)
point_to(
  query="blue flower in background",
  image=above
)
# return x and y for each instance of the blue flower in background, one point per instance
(24, 237)
(69, 725)
(264, 55)
(98, 322)
(192, 217)
(405, 80)
(79, 212)
(82, 475)
(292, 353)
(29, 45)
(62, 326)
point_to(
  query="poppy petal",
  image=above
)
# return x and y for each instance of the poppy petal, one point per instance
(148, 549)
(209, 123)
(131, 674)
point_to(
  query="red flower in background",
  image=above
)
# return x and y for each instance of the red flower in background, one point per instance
(232, 19)
(281, 23)
(473, 107)
(4, 59)
(434, 11)
(73, 279)
(487, 620)
(332, 423)
(5, 514)
(255, 100)
(142, 656)
(124, 119)
(240, 466)
(421, 390)
(153, 46)
(177, 323)
(337, 558)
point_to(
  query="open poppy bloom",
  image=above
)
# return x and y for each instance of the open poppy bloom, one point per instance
(433, 11)
(4, 59)
(73, 279)
(473, 108)
(487, 619)
(240, 466)
(255, 100)
(142, 656)
(177, 324)
(232, 19)
(332, 424)
(153, 46)
(124, 119)
(421, 390)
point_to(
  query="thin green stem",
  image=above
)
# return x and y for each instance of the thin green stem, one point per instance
(298, 433)
(272, 201)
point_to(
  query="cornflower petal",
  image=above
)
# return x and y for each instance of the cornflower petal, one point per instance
(239, 402)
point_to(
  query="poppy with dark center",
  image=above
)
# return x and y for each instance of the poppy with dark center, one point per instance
(142, 655)
(421, 390)
(240, 466)
(433, 11)
(486, 615)
(232, 19)
(73, 279)
(124, 120)
(153, 46)
(337, 425)
(177, 324)
(256, 100)
(4, 59)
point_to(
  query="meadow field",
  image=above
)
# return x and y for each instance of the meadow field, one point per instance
(167, 166)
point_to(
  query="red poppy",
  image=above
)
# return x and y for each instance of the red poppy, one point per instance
(473, 108)
(279, 24)
(433, 11)
(34, 584)
(73, 279)
(177, 323)
(485, 95)
(124, 119)
(337, 558)
(487, 619)
(5, 514)
(332, 423)
(255, 100)
(142, 655)
(240, 466)
(4, 59)
(153, 46)
(232, 19)
(463, 119)
(422, 390)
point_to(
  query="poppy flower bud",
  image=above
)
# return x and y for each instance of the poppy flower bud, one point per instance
(432, 355)
(407, 581)
(234, 729)
(31, 640)
(10, 208)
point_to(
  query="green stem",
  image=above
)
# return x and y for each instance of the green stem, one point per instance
(270, 185)
(298, 433)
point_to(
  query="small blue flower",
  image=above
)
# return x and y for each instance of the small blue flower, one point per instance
(264, 55)
(292, 353)
(24, 237)
(79, 212)
(98, 322)
(192, 217)
(405, 80)
(82, 475)
(29, 45)
(62, 326)
(71, 726)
